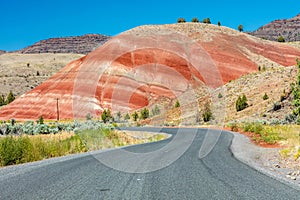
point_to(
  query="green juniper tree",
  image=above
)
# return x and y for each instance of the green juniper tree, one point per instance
(10, 98)
(144, 113)
(241, 103)
(206, 21)
(127, 116)
(119, 116)
(135, 116)
(281, 39)
(2, 100)
(240, 27)
(106, 115)
(265, 97)
(177, 104)
(181, 20)
(155, 110)
(296, 95)
(207, 115)
(195, 20)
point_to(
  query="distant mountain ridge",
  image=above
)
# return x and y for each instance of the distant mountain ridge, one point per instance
(74, 44)
(288, 28)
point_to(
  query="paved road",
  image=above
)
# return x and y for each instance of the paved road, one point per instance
(217, 176)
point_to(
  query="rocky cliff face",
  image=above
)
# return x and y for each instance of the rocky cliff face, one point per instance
(149, 64)
(2, 52)
(77, 44)
(288, 28)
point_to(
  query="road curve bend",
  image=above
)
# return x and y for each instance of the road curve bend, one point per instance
(176, 172)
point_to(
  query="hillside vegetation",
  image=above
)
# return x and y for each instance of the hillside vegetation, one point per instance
(20, 73)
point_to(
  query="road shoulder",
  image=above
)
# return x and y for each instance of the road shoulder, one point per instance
(259, 158)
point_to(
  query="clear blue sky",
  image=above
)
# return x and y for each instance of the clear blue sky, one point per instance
(26, 22)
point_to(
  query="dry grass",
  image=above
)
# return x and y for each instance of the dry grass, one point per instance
(54, 137)
(95, 140)
(291, 133)
(22, 149)
(139, 137)
(288, 157)
(287, 136)
(28, 148)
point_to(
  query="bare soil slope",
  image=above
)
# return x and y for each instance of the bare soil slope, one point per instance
(21, 73)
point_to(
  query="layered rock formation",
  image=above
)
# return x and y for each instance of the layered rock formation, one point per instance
(288, 28)
(147, 64)
(76, 44)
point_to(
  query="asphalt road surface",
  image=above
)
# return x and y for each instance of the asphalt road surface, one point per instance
(216, 176)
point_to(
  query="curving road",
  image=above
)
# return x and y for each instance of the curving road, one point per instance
(217, 176)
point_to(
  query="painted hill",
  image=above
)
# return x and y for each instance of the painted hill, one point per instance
(76, 44)
(288, 28)
(149, 65)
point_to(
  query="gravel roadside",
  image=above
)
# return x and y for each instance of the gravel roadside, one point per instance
(264, 160)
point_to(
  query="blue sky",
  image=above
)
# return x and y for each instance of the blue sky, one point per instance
(26, 22)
